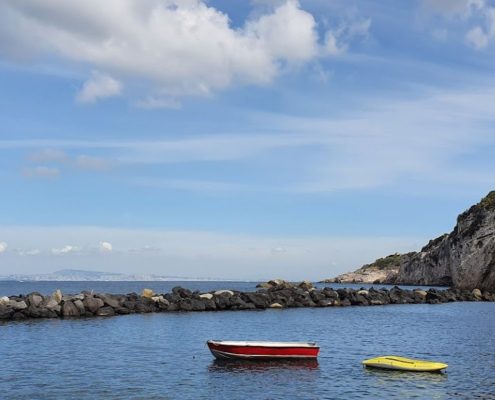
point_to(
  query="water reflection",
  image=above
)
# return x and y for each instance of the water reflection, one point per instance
(228, 366)
(386, 376)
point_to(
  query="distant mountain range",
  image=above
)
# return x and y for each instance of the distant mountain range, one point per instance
(83, 275)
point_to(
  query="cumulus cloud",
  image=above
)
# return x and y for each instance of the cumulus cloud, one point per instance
(64, 250)
(41, 171)
(3, 247)
(170, 47)
(106, 247)
(98, 86)
(27, 252)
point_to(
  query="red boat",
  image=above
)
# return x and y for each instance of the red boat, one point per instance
(223, 349)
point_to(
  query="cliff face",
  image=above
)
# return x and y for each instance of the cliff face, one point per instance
(465, 258)
(383, 270)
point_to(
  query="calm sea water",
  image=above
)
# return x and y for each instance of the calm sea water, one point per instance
(163, 356)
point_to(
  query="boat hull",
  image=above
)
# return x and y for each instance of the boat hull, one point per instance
(261, 351)
(404, 364)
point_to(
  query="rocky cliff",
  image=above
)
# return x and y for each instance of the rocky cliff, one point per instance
(383, 270)
(464, 258)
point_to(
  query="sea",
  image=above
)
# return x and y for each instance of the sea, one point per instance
(164, 356)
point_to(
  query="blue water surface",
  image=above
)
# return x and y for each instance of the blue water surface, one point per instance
(163, 356)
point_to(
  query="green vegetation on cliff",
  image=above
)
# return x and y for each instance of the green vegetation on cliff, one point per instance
(385, 263)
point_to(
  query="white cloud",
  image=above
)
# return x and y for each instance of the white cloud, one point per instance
(99, 86)
(3, 247)
(479, 14)
(338, 40)
(106, 247)
(453, 8)
(205, 254)
(169, 47)
(41, 172)
(64, 250)
(27, 252)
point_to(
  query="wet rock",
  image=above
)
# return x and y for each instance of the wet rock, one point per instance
(260, 300)
(105, 312)
(326, 302)
(69, 309)
(198, 305)
(18, 316)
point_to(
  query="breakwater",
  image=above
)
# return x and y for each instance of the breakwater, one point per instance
(272, 294)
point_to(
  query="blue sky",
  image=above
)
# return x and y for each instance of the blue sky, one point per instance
(246, 139)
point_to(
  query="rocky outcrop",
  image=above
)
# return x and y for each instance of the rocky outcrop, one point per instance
(383, 270)
(464, 258)
(283, 295)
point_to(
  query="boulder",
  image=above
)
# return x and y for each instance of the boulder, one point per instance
(80, 306)
(6, 312)
(4, 300)
(69, 309)
(276, 305)
(207, 296)
(18, 316)
(18, 305)
(92, 304)
(306, 285)
(35, 299)
(105, 312)
(148, 293)
(57, 296)
(476, 294)
(109, 300)
(224, 292)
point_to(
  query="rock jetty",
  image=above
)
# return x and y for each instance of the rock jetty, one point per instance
(274, 294)
(464, 258)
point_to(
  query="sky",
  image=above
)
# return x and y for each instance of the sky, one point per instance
(239, 139)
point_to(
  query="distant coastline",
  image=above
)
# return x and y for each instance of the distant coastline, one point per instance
(79, 275)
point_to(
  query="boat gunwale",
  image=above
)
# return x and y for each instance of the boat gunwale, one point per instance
(281, 345)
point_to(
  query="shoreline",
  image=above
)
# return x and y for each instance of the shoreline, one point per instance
(273, 295)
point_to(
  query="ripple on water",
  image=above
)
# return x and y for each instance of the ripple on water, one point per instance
(163, 356)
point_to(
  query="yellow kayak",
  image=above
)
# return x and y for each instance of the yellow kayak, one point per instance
(404, 364)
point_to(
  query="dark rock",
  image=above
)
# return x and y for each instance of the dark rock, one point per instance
(105, 312)
(6, 312)
(92, 304)
(70, 310)
(18, 316)
(109, 300)
(198, 305)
